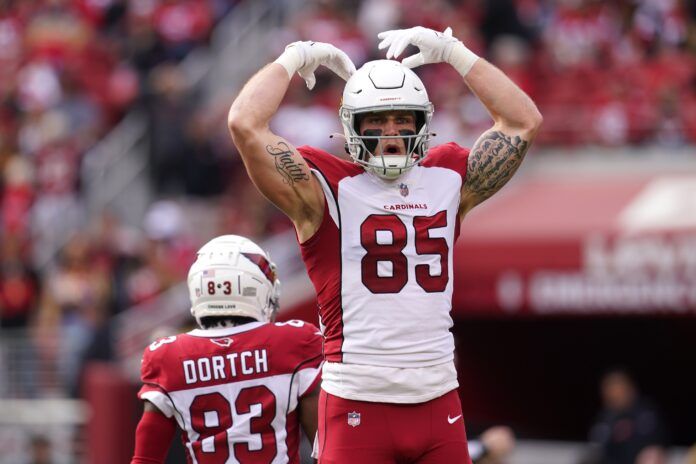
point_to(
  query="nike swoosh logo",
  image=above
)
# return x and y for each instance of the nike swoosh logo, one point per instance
(452, 420)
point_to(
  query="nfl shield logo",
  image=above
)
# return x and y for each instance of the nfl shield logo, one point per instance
(353, 419)
(403, 190)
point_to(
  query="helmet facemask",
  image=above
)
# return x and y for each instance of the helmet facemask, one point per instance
(369, 147)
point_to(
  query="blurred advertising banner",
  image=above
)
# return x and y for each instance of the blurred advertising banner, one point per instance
(581, 246)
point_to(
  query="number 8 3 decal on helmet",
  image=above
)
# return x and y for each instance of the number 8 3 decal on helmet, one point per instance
(232, 276)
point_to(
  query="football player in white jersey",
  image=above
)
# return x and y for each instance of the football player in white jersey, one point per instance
(377, 234)
(241, 386)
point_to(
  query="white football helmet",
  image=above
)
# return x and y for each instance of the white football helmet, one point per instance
(385, 85)
(233, 276)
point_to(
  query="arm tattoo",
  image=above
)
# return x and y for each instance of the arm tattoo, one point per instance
(285, 164)
(493, 160)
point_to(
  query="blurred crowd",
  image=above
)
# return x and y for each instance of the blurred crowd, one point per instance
(69, 71)
(609, 73)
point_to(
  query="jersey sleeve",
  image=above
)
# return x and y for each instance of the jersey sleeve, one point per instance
(153, 389)
(449, 156)
(153, 436)
(330, 168)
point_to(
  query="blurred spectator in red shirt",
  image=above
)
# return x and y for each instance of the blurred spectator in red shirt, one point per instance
(182, 24)
(18, 284)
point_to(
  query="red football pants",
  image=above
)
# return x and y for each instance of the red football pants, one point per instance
(352, 432)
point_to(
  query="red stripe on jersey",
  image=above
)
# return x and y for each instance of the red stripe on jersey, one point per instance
(457, 227)
(313, 386)
(292, 437)
(332, 167)
(322, 252)
(322, 257)
(450, 156)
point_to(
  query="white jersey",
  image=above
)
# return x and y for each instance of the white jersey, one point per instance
(381, 263)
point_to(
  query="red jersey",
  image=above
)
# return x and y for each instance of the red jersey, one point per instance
(234, 391)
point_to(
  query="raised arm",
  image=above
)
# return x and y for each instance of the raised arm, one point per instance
(498, 152)
(273, 164)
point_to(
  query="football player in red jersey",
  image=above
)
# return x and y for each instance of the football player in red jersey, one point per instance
(241, 386)
(377, 234)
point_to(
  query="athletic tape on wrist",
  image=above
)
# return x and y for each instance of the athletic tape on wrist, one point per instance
(291, 60)
(462, 59)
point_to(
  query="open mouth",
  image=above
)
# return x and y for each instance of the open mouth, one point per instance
(392, 149)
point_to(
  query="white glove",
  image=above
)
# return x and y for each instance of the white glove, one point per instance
(435, 47)
(305, 57)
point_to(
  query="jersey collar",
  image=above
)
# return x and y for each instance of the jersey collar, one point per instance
(222, 331)
(411, 176)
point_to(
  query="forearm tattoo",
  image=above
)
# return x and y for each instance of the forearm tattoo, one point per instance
(285, 164)
(493, 160)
